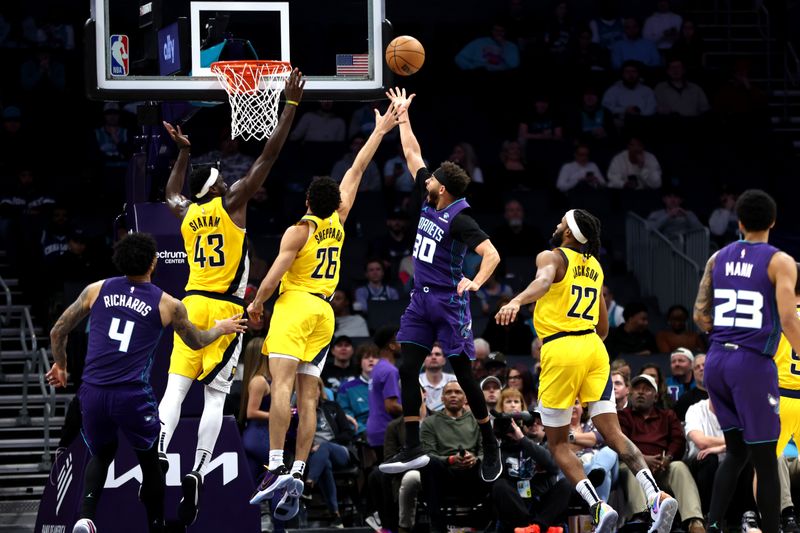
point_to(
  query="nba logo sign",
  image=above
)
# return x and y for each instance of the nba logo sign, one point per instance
(119, 55)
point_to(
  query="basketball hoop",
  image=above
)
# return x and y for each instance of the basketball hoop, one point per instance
(253, 88)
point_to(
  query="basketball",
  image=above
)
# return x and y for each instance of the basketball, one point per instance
(405, 55)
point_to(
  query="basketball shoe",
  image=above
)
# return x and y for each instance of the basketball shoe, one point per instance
(406, 459)
(662, 510)
(84, 525)
(271, 483)
(187, 508)
(604, 517)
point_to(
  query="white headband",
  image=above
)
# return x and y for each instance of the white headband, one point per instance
(212, 179)
(573, 226)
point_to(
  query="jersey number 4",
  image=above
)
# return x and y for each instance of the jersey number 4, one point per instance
(124, 336)
(328, 259)
(215, 243)
(583, 292)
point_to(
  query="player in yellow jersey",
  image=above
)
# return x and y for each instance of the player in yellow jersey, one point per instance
(571, 319)
(213, 229)
(302, 324)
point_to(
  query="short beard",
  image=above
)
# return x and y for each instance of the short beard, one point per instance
(557, 239)
(433, 198)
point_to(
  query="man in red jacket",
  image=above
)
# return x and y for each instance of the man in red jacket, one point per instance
(659, 435)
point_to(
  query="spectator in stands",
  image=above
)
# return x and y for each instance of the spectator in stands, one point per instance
(265, 214)
(396, 176)
(690, 47)
(514, 338)
(371, 181)
(353, 395)
(593, 121)
(375, 289)
(663, 26)
(536, 355)
(519, 377)
(654, 371)
(600, 463)
(254, 407)
(677, 96)
(681, 379)
(362, 121)
(678, 334)
(493, 288)
(673, 221)
(659, 435)
(79, 263)
(15, 141)
(541, 123)
(634, 168)
(515, 238)
(513, 173)
(54, 236)
(706, 448)
(330, 450)
(558, 34)
(581, 173)
(384, 389)
(339, 367)
(740, 103)
(233, 164)
(621, 365)
(589, 58)
(529, 465)
(433, 378)
(607, 28)
(496, 365)
(615, 310)
(444, 435)
(622, 385)
(491, 387)
(696, 394)
(493, 54)
(320, 125)
(482, 351)
(629, 97)
(633, 48)
(111, 140)
(43, 73)
(396, 244)
(723, 223)
(463, 155)
(346, 322)
(632, 337)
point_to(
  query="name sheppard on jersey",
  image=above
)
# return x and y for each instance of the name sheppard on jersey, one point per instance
(329, 233)
(123, 300)
(427, 226)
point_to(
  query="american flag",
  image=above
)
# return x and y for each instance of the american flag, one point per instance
(352, 64)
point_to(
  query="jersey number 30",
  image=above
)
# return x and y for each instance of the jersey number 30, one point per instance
(740, 309)
(582, 292)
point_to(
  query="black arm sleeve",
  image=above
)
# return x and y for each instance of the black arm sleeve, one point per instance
(465, 229)
(420, 193)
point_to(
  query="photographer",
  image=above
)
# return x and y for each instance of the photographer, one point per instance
(528, 491)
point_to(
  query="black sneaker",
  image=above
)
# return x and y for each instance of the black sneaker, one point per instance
(271, 483)
(406, 459)
(187, 508)
(163, 462)
(492, 465)
(789, 524)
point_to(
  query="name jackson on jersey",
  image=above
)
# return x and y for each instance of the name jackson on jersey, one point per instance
(123, 300)
(585, 271)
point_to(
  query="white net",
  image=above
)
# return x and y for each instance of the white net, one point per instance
(254, 88)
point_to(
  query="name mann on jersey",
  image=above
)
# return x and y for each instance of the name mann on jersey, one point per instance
(585, 271)
(736, 268)
(123, 300)
(329, 233)
(204, 222)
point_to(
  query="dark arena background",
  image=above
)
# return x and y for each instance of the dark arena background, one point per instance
(653, 115)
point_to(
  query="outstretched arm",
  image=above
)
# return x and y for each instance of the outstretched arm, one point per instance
(704, 303)
(547, 264)
(244, 189)
(174, 312)
(352, 178)
(70, 318)
(411, 149)
(293, 240)
(176, 201)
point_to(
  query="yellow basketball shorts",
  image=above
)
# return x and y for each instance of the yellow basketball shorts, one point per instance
(789, 411)
(302, 327)
(215, 364)
(574, 367)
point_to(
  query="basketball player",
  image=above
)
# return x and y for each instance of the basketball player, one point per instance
(571, 318)
(439, 308)
(746, 292)
(301, 329)
(127, 316)
(213, 229)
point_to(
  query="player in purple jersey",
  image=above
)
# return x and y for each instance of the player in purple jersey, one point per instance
(746, 296)
(127, 316)
(439, 308)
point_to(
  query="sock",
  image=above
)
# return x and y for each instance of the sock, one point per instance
(487, 434)
(169, 410)
(275, 459)
(201, 460)
(298, 467)
(648, 483)
(587, 492)
(412, 434)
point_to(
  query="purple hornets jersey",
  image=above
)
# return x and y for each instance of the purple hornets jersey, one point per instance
(124, 329)
(745, 311)
(438, 258)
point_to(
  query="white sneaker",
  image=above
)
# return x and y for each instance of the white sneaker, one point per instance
(374, 521)
(662, 510)
(750, 522)
(84, 525)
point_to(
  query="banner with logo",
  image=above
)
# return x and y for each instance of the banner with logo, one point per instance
(224, 500)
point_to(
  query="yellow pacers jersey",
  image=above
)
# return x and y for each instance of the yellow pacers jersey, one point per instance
(788, 363)
(572, 304)
(216, 249)
(316, 267)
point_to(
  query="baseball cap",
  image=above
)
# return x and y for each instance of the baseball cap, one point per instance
(342, 338)
(495, 359)
(491, 379)
(686, 352)
(646, 378)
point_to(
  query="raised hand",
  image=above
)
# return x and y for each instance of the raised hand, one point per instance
(235, 324)
(398, 97)
(178, 136)
(294, 86)
(384, 123)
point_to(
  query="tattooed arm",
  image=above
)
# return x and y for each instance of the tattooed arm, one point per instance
(70, 318)
(704, 304)
(174, 312)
